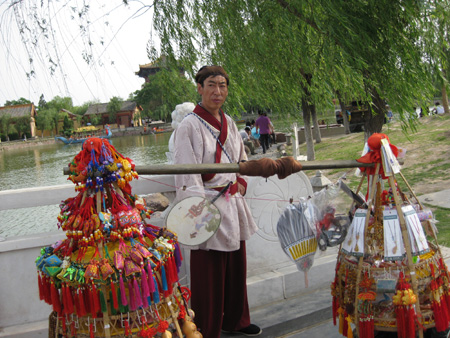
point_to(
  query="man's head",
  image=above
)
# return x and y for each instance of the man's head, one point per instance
(247, 130)
(212, 85)
(207, 71)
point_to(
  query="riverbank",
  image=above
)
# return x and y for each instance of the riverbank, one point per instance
(19, 144)
(38, 141)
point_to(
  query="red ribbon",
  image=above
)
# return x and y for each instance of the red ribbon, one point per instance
(374, 155)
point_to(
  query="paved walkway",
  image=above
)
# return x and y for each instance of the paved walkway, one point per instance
(305, 317)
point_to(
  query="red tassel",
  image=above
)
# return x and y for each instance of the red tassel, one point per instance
(41, 287)
(127, 328)
(87, 300)
(174, 270)
(47, 290)
(69, 300)
(55, 298)
(345, 325)
(96, 301)
(81, 310)
(400, 317)
(335, 307)
(114, 296)
(63, 295)
(411, 324)
(73, 330)
(91, 330)
(64, 325)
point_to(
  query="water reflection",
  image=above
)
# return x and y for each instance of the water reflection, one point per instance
(43, 166)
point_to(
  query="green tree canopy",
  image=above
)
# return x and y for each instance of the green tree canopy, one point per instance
(163, 92)
(17, 102)
(114, 106)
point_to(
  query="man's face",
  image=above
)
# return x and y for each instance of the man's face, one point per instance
(214, 92)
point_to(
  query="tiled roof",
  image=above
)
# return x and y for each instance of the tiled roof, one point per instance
(102, 108)
(19, 110)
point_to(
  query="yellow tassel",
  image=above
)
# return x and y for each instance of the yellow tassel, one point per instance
(341, 320)
(349, 330)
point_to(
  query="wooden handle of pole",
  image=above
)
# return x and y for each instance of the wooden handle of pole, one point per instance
(214, 168)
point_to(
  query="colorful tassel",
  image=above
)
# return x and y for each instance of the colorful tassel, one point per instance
(151, 282)
(156, 299)
(131, 295)
(178, 256)
(144, 284)
(123, 296)
(163, 278)
(349, 327)
(137, 294)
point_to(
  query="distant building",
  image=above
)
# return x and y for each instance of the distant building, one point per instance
(129, 114)
(72, 117)
(21, 111)
(149, 69)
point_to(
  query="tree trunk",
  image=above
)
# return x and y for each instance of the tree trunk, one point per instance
(344, 113)
(308, 134)
(375, 116)
(445, 99)
(317, 136)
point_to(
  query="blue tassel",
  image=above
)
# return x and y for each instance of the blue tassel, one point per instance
(156, 293)
(163, 278)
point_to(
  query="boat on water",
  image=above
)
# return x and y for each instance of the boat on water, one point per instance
(81, 134)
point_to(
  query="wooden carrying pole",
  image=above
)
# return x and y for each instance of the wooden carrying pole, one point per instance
(214, 168)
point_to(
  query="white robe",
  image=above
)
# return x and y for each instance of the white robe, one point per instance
(194, 143)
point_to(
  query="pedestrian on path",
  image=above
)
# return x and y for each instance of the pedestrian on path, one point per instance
(263, 127)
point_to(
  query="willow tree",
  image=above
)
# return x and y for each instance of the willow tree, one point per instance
(291, 55)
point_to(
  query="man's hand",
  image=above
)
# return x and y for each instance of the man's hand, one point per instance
(241, 189)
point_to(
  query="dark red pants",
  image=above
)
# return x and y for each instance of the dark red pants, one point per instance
(219, 291)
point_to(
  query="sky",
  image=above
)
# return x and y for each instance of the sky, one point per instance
(119, 35)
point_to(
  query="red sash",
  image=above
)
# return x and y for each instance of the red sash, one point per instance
(223, 133)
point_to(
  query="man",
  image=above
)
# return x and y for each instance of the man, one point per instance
(264, 128)
(218, 267)
(246, 138)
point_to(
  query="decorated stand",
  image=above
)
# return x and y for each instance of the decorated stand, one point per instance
(390, 274)
(114, 275)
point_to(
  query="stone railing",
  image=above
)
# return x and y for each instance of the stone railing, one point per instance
(271, 275)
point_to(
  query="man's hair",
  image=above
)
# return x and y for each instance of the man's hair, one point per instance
(247, 129)
(436, 103)
(207, 71)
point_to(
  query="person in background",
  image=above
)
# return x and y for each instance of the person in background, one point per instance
(218, 267)
(246, 134)
(263, 127)
(438, 108)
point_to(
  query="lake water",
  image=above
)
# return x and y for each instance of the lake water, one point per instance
(43, 166)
